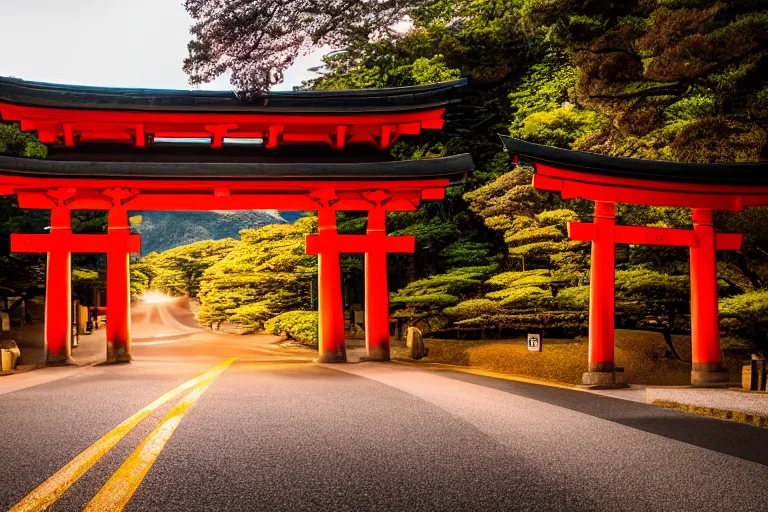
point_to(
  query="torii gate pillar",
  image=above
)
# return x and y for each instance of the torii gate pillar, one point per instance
(58, 291)
(59, 245)
(705, 322)
(376, 292)
(118, 287)
(602, 297)
(331, 343)
(375, 244)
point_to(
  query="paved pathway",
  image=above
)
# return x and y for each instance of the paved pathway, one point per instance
(723, 399)
(274, 431)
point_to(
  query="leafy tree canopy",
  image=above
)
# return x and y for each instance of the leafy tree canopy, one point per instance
(682, 80)
(257, 40)
(264, 274)
(178, 271)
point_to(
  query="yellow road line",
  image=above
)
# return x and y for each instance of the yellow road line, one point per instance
(519, 378)
(49, 491)
(119, 489)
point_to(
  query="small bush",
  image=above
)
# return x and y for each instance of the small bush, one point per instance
(298, 325)
(746, 315)
(252, 316)
(473, 308)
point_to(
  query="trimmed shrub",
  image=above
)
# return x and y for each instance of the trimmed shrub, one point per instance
(298, 325)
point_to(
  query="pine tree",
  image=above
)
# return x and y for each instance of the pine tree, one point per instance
(263, 275)
(178, 271)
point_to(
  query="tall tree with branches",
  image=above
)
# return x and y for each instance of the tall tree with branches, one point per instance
(256, 40)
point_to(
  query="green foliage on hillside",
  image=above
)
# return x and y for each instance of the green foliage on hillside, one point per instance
(161, 231)
(264, 274)
(596, 76)
(662, 79)
(178, 271)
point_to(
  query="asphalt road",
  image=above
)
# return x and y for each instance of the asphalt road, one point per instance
(274, 431)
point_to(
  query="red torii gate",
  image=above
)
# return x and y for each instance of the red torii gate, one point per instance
(702, 241)
(118, 243)
(609, 180)
(238, 166)
(326, 197)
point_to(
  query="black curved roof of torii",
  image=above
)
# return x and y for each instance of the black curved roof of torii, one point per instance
(634, 168)
(443, 167)
(400, 99)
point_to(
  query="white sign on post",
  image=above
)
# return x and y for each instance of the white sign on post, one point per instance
(534, 342)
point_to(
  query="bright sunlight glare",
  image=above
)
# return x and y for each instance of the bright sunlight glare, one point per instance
(155, 297)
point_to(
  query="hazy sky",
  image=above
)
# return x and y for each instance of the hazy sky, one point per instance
(129, 43)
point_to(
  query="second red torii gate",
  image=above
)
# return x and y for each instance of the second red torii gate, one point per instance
(608, 180)
(702, 241)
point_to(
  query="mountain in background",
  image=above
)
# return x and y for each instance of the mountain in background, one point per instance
(161, 230)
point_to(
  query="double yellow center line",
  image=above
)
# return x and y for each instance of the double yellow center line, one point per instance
(119, 489)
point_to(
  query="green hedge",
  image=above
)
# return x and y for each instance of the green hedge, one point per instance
(298, 325)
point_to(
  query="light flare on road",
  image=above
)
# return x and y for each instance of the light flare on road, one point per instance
(155, 297)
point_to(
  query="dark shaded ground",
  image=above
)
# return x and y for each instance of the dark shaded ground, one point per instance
(729, 438)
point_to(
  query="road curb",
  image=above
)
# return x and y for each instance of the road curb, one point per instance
(722, 403)
(39, 376)
(755, 420)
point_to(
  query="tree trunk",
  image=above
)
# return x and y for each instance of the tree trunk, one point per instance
(668, 332)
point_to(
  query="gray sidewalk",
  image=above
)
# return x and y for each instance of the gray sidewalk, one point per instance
(30, 340)
(723, 399)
